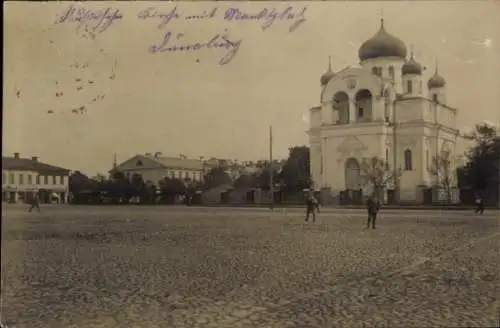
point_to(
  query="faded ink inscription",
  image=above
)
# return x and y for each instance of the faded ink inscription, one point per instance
(173, 39)
(91, 22)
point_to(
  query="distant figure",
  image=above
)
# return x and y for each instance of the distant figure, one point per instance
(311, 204)
(35, 203)
(373, 206)
(318, 203)
(479, 205)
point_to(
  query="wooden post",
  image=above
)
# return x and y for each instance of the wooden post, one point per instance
(271, 171)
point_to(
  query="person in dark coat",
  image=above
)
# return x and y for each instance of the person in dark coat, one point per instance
(35, 203)
(373, 206)
(311, 205)
(479, 205)
(318, 203)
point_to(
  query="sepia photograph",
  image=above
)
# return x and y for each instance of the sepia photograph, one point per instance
(219, 164)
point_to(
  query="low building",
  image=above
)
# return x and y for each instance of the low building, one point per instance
(22, 177)
(154, 168)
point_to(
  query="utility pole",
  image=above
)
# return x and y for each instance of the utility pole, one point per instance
(394, 150)
(271, 171)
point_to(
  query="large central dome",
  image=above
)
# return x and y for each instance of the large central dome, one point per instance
(382, 44)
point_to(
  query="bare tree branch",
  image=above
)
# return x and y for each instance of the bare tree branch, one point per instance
(442, 169)
(375, 171)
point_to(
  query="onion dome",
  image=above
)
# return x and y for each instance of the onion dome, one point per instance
(382, 44)
(436, 81)
(411, 67)
(327, 76)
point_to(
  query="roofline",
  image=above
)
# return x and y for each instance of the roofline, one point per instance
(49, 169)
(403, 98)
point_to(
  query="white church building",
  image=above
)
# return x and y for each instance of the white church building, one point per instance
(381, 108)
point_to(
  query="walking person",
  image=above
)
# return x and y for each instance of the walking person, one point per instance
(318, 203)
(373, 206)
(35, 203)
(311, 205)
(479, 205)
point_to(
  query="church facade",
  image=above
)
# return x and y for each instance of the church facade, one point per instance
(381, 109)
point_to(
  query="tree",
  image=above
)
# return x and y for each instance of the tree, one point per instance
(247, 181)
(170, 188)
(296, 170)
(217, 177)
(79, 182)
(445, 174)
(149, 193)
(264, 178)
(481, 173)
(118, 187)
(375, 172)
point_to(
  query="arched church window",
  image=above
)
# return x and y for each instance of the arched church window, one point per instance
(408, 160)
(391, 72)
(341, 105)
(364, 104)
(409, 86)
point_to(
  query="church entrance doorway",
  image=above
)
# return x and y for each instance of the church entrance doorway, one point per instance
(353, 193)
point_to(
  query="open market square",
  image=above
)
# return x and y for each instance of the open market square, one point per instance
(147, 266)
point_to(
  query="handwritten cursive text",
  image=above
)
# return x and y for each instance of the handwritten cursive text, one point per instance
(218, 41)
(165, 17)
(268, 17)
(96, 21)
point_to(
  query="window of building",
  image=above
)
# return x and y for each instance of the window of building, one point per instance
(30, 179)
(21, 178)
(12, 179)
(172, 174)
(408, 160)
(37, 179)
(46, 179)
(139, 163)
(54, 180)
(387, 158)
(186, 175)
(435, 97)
(427, 159)
(409, 86)
(391, 72)
(377, 71)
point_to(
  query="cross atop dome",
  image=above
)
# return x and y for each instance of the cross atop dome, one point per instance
(328, 74)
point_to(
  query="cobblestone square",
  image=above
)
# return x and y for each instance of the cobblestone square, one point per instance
(217, 267)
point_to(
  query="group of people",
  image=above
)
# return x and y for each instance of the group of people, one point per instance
(373, 207)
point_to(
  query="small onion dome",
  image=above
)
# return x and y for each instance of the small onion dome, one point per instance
(411, 67)
(436, 81)
(382, 44)
(325, 78)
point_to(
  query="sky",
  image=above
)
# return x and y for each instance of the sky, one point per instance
(187, 103)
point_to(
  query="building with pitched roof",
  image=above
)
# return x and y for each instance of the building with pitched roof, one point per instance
(22, 177)
(154, 167)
